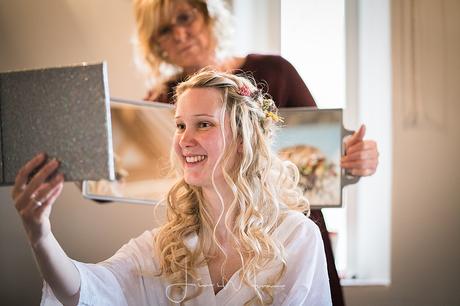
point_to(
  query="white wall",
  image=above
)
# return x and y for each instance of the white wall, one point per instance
(426, 144)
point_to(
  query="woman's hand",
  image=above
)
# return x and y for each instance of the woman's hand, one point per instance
(361, 156)
(34, 199)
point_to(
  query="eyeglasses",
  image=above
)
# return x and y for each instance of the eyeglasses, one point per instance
(182, 19)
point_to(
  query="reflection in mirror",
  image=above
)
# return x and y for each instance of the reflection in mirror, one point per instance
(312, 140)
(142, 139)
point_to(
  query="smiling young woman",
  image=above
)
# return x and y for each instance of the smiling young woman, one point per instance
(234, 233)
(239, 197)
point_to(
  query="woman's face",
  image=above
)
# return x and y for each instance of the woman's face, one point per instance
(198, 141)
(186, 39)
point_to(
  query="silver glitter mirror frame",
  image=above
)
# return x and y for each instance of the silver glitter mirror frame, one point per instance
(62, 111)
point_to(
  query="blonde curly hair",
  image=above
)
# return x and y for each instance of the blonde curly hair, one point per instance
(264, 189)
(151, 15)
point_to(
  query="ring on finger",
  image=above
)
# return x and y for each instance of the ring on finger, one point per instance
(38, 203)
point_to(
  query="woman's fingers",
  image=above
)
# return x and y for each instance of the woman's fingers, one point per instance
(25, 192)
(42, 196)
(40, 178)
(52, 194)
(34, 197)
(31, 203)
(362, 172)
(361, 167)
(361, 155)
(360, 164)
(23, 175)
(360, 146)
(361, 159)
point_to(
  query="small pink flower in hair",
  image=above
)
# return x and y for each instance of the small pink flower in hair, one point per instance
(244, 91)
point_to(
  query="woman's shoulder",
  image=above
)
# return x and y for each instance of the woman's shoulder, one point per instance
(146, 240)
(300, 219)
(296, 225)
(164, 92)
(139, 249)
(266, 59)
(273, 69)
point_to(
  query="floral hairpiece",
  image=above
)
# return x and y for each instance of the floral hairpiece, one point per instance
(268, 105)
(244, 91)
(270, 110)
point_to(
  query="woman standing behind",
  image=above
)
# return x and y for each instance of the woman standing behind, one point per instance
(179, 37)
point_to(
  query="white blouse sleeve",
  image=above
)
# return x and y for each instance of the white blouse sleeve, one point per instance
(306, 281)
(116, 280)
(98, 286)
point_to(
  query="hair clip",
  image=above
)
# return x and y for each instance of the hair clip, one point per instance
(244, 91)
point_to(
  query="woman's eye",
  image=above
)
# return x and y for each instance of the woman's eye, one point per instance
(166, 30)
(184, 18)
(204, 125)
(180, 126)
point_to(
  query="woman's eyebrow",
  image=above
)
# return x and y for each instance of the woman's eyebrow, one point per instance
(198, 115)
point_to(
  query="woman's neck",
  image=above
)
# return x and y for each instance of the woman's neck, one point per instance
(207, 61)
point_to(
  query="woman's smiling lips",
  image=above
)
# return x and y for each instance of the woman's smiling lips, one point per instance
(186, 48)
(192, 160)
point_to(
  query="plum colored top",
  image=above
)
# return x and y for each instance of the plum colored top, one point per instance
(283, 82)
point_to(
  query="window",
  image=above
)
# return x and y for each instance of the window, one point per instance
(313, 40)
(341, 48)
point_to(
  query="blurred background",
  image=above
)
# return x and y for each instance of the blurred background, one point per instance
(392, 64)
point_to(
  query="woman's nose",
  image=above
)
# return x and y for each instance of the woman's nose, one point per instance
(187, 139)
(179, 33)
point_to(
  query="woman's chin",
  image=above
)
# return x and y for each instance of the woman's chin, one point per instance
(192, 181)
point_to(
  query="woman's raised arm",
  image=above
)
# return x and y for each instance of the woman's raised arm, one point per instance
(34, 198)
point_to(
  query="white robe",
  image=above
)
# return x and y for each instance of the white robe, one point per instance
(123, 280)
